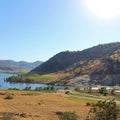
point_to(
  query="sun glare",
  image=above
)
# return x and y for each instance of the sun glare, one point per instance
(105, 9)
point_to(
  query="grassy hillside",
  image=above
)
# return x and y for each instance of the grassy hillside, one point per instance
(33, 78)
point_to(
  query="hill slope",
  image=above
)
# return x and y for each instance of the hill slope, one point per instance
(96, 65)
(104, 71)
(63, 60)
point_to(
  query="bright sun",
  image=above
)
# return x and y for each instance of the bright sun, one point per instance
(105, 9)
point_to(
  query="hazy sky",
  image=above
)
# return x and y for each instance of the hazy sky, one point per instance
(38, 29)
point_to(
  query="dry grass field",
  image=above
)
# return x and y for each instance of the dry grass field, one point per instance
(43, 106)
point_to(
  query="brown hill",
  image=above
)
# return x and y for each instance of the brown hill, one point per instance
(63, 60)
(106, 65)
(101, 65)
(105, 71)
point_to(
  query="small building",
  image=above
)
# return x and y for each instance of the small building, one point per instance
(117, 92)
(94, 90)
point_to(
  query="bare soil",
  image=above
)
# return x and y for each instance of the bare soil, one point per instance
(26, 106)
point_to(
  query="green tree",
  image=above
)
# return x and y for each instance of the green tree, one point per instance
(103, 91)
(104, 110)
(113, 92)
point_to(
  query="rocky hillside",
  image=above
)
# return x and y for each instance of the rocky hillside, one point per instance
(10, 65)
(96, 65)
(105, 65)
(105, 71)
(63, 60)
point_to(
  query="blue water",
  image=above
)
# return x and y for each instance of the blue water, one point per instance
(6, 85)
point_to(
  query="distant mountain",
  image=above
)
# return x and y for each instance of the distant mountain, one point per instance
(10, 65)
(100, 63)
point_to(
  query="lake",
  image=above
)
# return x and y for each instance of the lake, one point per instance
(6, 85)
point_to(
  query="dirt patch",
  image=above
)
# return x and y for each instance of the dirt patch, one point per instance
(40, 107)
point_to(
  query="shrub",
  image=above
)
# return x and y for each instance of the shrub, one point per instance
(67, 92)
(104, 110)
(38, 88)
(66, 88)
(88, 104)
(13, 89)
(23, 114)
(68, 116)
(27, 88)
(7, 116)
(8, 96)
(113, 92)
(77, 89)
(103, 91)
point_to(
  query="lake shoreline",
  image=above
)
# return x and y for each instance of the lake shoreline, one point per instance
(6, 85)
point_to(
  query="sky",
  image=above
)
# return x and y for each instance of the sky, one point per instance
(32, 30)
